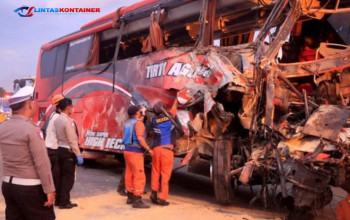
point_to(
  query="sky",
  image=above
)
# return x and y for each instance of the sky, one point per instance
(22, 37)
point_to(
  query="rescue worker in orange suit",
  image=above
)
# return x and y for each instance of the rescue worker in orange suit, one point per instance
(164, 140)
(121, 186)
(68, 153)
(27, 185)
(135, 147)
(343, 208)
(51, 142)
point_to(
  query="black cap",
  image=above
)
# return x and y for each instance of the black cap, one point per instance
(133, 109)
(157, 107)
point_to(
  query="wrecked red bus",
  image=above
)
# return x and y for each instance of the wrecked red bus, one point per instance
(263, 87)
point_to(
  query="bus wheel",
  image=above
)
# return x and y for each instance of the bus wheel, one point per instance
(220, 171)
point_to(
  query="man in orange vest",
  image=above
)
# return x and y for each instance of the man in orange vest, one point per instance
(164, 140)
(135, 147)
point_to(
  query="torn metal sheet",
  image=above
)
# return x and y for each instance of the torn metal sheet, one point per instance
(224, 69)
(203, 71)
(305, 144)
(197, 123)
(344, 136)
(223, 118)
(208, 102)
(302, 176)
(326, 122)
(192, 94)
(246, 113)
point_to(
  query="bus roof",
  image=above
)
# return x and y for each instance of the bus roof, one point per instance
(139, 10)
(93, 27)
(122, 11)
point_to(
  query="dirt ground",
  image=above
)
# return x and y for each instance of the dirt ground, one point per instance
(191, 197)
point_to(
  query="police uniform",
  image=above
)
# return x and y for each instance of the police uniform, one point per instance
(51, 141)
(27, 176)
(68, 150)
(164, 140)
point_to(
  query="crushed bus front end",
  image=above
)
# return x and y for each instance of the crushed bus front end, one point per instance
(268, 105)
(252, 120)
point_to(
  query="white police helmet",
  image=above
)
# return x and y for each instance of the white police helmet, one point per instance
(22, 95)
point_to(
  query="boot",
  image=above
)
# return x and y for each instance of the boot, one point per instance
(162, 202)
(121, 191)
(131, 198)
(68, 206)
(138, 204)
(154, 197)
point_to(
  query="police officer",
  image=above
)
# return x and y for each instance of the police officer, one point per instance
(135, 147)
(68, 153)
(164, 140)
(51, 140)
(27, 185)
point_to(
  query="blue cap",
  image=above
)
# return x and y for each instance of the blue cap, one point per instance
(133, 109)
(22, 95)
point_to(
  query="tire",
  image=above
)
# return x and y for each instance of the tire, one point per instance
(222, 182)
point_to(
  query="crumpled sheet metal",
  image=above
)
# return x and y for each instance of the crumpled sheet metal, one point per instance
(305, 144)
(224, 70)
(222, 117)
(344, 136)
(197, 122)
(326, 122)
(208, 102)
(246, 113)
(192, 92)
(314, 180)
(222, 73)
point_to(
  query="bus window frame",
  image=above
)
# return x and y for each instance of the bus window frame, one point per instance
(54, 64)
(65, 58)
(87, 59)
(119, 39)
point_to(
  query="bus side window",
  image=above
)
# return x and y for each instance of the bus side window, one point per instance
(108, 41)
(129, 46)
(48, 59)
(78, 53)
(60, 59)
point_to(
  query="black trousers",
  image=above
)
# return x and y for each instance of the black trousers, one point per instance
(54, 166)
(66, 162)
(122, 180)
(26, 203)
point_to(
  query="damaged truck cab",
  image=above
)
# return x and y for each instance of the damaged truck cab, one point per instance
(263, 88)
